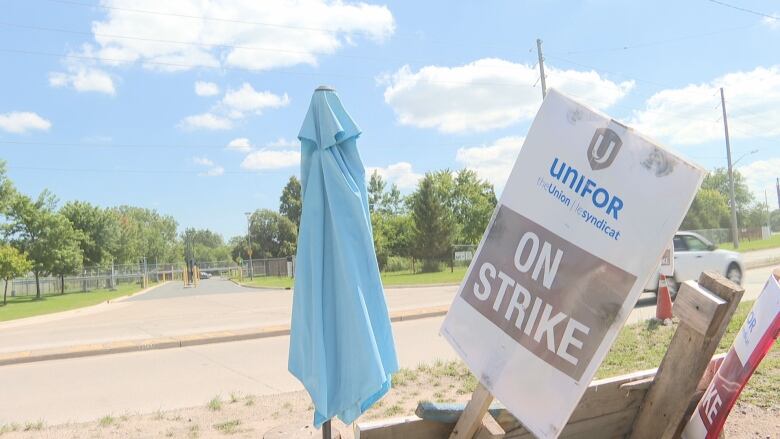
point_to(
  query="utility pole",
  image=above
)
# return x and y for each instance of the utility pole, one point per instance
(541, 67)
(734, 231)
(778, 192)
(768, 217)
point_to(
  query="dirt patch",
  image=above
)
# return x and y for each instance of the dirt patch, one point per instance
(248, 416)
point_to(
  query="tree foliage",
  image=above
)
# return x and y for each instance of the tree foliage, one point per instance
(203, 245)
(709, 210)
(273, 236)
(13, 263)
(99, 231)
(290, 202)
(45, 235)
(434, 227)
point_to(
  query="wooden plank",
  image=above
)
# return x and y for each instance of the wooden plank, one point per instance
(471, 419)
(449, 413)
(489, 429)
(410, 427)
(697, 306)
(683, 365)
(613, 425)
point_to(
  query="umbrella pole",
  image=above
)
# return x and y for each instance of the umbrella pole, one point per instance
(326, 430)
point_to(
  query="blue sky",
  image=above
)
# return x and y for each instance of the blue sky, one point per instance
(135, 102)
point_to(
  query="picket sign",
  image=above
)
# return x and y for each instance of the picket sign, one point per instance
(576, 235)
(754, 339)
(615, 407)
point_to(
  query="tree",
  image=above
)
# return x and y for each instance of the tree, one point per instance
(376, 189)
(709, 210)
(46, 236)
(13, 264)
(99, 231)
(290, 201)
(205, 245)
(774, 220)
(392, 201)
(6, 189)
(718, 180)
(434, 227)
(145, 233)
(473, 203)
(273, 235)
(63, 240)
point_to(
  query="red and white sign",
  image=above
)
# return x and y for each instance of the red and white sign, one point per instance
(752, 343)
(667, 261)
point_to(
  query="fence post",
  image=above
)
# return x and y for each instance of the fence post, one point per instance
(113, 273)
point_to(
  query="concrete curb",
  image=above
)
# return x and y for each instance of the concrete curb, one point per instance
(148, 344)
(767, 262)
(256, 287)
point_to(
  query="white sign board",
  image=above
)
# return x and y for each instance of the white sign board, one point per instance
(578, 231)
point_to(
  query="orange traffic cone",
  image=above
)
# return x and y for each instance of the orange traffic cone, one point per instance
(663, 307)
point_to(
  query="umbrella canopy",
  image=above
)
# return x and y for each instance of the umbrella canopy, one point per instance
(341, 342)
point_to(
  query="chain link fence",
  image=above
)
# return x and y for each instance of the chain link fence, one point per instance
(107, 278)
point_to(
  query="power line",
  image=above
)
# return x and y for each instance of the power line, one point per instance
(658, 42)
(199, 44)
(414, 36)
(235, 68)
(200, 17)
(749, 11)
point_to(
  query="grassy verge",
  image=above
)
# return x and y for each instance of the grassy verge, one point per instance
(389, 279)
(746, 246)
(27, 306)
(638, 347)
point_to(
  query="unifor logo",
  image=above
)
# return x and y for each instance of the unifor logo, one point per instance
(603, 149)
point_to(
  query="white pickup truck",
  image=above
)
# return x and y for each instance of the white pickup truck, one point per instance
(693, 254)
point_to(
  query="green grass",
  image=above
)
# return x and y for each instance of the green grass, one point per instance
(28, 306)
(215, 404)
(228, 427)
(747, 246)
(642, 346)
(389, 279)
(639, 346)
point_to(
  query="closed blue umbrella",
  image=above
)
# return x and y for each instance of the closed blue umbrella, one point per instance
(341, 342)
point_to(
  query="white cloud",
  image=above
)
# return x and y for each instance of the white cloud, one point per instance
(82, 75)
(486, 94)
(240, 144)
(203, 88)
(290, 36)
(269, 159)
(214, 169)
(492, 162)
(247, 99)
(691, 114)
(206, 121)
(772, 23)
(235, 104)
(282, 143)
(759, 176)
(400, 173)
(19, 122)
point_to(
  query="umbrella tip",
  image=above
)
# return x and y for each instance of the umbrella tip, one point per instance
(325, 88)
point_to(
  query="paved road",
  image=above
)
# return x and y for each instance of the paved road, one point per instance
(89, 388)
(172, 310)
